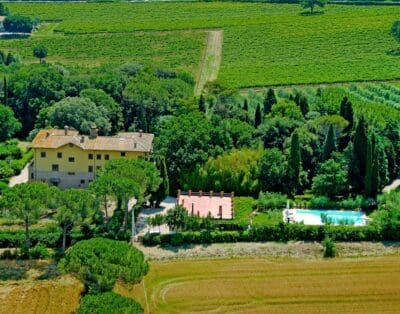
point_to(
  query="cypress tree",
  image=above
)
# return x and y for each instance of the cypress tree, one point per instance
(368, 170)
(303, 104)
(246, 105)
(5, 92)
(202, 103)
(330, 145)
(294, 163)
(142, 118)
(163, 189)
(358, 165)
(269, 100)
(257, 117)
(2, 57)
(9, 59)
(346, 111)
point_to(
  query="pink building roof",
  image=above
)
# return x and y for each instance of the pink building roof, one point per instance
(220, 205)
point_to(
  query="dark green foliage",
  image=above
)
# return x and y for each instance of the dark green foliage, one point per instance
(103, 100)
(358, 159)
(329, 247)
(108, 303)
(163, 189)
(5, 91)
(272, 170)
(202, 103)
(371, 180)
(9, 124)
(310, 4)
(302, 101)
(294, 164)
(18, 24)
(246, 105)
(40, 52)
(269, 101)
(279, 233)
(80, 114)
(258, 116)
(268, 201)
(331, 179)
(330, 144)
(3, 10)
(176, 217)
(11, 238)
(99, 263)
(396, 30)
(346, 111)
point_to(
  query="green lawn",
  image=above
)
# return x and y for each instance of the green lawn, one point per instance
(264, 44)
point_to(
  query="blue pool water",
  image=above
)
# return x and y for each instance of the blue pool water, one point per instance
(336, 217)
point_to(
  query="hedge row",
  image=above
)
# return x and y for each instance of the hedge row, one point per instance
(277, 233)
(50, 237)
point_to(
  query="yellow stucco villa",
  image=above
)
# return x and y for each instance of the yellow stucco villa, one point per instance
(66, 159)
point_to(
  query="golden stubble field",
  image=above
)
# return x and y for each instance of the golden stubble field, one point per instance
(260, 285)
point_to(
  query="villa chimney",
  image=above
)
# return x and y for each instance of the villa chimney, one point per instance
(134, 145)
(82, 139)
(211, 193)
(66, 129)
(190, 193)
(200, 193)
(140, 133)
(47, 134)
(93, 131)
(222, 194)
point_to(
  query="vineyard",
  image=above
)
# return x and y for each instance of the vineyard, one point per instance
(264, 44)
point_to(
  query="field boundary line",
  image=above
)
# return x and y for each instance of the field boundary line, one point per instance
(211, 59)
(301, 85)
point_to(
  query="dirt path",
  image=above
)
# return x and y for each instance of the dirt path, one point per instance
(393, 186)
(211, 60)
(305, 250)
(21, 178)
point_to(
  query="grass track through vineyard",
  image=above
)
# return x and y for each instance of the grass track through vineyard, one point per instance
(211, 60)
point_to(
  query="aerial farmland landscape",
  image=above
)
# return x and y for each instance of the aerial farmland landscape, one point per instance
(200, 156)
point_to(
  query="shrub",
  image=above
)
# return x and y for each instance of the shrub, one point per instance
(100, 262)
(321, 202)
(329, 248)
(108, 303)
(39, 251)
(272, 200)
(50, 237)
(8, 254)
(6, 171)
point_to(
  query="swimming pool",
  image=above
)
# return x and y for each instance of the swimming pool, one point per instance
(320, 217)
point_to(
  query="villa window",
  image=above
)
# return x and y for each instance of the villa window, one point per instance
(90, 156)
(98, 156)
(82, 181)
(71, 159)
(59, 155)
(123, 154)
(43, 154)
(98, 168)
(71, 173)
(90, 169)
(107, 157)
(54, 167)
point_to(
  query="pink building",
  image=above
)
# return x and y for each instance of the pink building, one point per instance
(220, 205)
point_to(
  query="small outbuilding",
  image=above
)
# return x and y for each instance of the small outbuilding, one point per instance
(219, 205)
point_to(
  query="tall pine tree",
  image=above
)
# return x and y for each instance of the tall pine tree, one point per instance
(163, 188)
(269, 100)
(258, 116)
(303, 104)
(330, 145)
(294, 164)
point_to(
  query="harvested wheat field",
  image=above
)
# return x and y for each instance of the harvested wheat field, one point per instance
(59, 296)
(259, 285)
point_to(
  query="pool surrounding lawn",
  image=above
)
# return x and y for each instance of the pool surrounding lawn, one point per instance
(320, 217)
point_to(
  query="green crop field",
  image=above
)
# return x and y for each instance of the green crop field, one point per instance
(263, 44)
(260, 285)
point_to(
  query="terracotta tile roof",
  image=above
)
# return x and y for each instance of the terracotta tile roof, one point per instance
(201, 204)
(128, 141)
